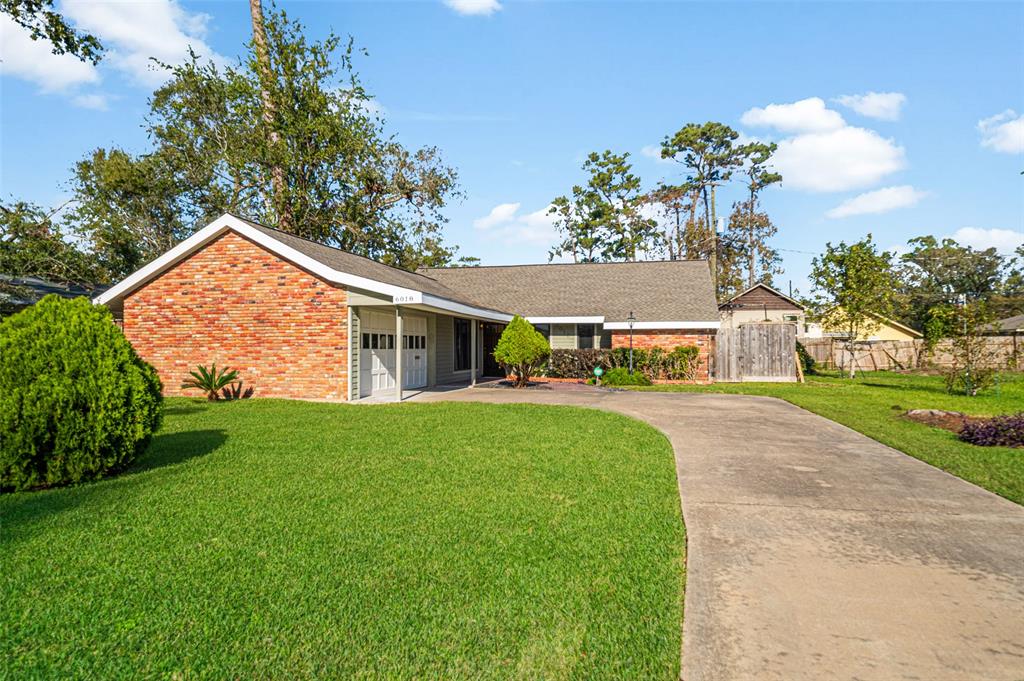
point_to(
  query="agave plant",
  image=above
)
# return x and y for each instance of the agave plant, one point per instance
(209, 380)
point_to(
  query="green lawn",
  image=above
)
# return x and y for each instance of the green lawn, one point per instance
(873, 403)
(274, 539)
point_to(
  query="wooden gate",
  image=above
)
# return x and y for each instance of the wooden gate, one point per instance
(756, 352)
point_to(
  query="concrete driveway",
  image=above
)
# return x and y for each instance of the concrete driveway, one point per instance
(817, 553)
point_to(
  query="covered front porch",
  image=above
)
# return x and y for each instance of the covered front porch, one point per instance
(418, 347)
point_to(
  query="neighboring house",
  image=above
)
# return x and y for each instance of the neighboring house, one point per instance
(762, 303)
(17, 293)
(301, 320)
(885, 329)
(1011, 326)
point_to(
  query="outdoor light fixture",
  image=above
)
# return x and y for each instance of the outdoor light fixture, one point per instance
(631, 320)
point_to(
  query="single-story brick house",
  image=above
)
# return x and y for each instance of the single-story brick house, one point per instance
(298, 319)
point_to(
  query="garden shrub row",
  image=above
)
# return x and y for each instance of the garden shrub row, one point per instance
(679, 364)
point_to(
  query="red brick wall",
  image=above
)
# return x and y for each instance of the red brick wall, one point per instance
(236, 304)
(670, 338)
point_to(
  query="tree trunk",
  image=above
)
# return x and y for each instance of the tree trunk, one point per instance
(277, 179)
(751, 255)
(713, 237)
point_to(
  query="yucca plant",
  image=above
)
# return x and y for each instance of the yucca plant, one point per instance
(210, 380)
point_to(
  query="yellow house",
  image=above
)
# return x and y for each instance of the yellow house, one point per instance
(883, 329)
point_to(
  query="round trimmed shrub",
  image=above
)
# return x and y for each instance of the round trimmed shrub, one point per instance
(76, 401)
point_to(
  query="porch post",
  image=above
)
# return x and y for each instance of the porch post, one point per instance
(398, 353)
(472, 351)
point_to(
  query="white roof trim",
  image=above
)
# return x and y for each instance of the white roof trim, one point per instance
(398, 294)
(565, 320)
(650, 326)
(461, 308)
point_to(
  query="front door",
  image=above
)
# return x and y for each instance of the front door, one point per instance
(492, 333)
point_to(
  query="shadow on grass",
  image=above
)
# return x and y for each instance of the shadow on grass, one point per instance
(169, 449)
(26, 510)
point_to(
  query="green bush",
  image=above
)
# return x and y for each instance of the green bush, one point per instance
(75, 399)
(621, 376)
(806, 361)
(577, 363)
(522, 350)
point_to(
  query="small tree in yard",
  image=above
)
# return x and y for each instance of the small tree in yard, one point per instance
(522, 350)
(972, 367)
(855, 286)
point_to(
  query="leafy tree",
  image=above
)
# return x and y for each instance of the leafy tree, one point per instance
(936, 274)
(757, 227)
(748, 236)
(710, 157)
(33, 245)
(619, 203)
(854, 285)
(576, 219)
(972, 367)
(522, 350)
(604, 220)
(43, 22)
(214, 149)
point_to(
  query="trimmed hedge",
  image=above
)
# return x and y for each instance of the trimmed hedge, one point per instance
(75, 400)
(679, 364)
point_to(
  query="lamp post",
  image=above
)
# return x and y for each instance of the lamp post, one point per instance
(631, 320)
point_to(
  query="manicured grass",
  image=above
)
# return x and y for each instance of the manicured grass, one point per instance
(873, 403)
(273, 539)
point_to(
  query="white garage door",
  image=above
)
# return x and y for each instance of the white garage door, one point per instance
(377, 356)
(414, 352)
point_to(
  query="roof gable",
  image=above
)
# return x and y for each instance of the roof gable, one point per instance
(330, 264)
(761, 296)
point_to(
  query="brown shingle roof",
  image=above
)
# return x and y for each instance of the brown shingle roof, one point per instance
(676, 290)
(664, 290)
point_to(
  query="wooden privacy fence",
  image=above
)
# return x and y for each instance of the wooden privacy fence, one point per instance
(756, 352)
(834, 353)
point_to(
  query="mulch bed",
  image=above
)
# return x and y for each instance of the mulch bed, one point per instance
(952, 421)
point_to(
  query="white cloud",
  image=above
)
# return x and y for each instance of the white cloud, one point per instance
(1003, 240)
(32, 60)
(477, 7)
(1003, 132)
(654, 151)
(885, 106)
(838, 160)
(91, 101)
(135, 32)
(505, 222)
(499, 215)
(807, 115)
(878, 201)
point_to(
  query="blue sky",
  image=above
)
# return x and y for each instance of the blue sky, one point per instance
(516, 93)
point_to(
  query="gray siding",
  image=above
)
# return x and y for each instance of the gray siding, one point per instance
(444, 352)
(563, 336)
(354, 345)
